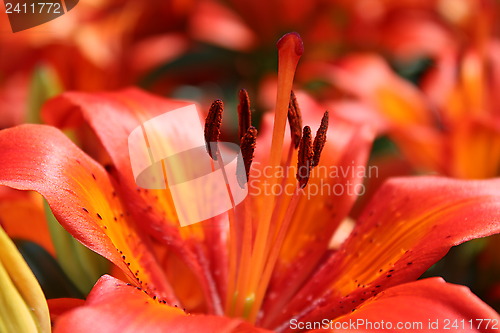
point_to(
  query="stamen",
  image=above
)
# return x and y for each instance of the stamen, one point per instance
(247, 147)
(295, 120)
(320, 139)
(212, 127)
(304, 163)
(244, 113)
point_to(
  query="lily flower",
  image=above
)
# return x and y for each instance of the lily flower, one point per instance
(95, 46)
(449, 125)
(265, 263)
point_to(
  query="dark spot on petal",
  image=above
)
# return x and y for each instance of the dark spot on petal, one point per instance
(85, 210)
(99, 216)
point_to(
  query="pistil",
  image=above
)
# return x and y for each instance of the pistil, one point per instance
(290, 48)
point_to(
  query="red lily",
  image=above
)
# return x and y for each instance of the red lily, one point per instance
(284, 269)
(451, 141)
(410, 29)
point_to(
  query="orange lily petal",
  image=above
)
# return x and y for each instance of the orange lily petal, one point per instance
(387, 166)
(409, 225)
(81, 195)
(475, 149)
(426, 305)
(127, 109)
(306, 243)
(327, 199)
(112, 117)
(214, 23)
(22, 217)
(425, 148)
(359, 113)
(370, 78)
(114, 306)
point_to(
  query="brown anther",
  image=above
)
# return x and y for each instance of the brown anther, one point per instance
(305, 156)
(247, 147)
(294, 120)
(320, 139)
(212, 127)
(244, 113)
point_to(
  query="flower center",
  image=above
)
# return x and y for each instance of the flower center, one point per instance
(258, 226)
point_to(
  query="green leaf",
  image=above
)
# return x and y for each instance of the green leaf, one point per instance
(45, 84)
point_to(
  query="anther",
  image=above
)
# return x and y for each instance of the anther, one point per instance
(212, 127)
(244, 113)
(294, 120)
(305, 156)
(320, 139)
(247, 147)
